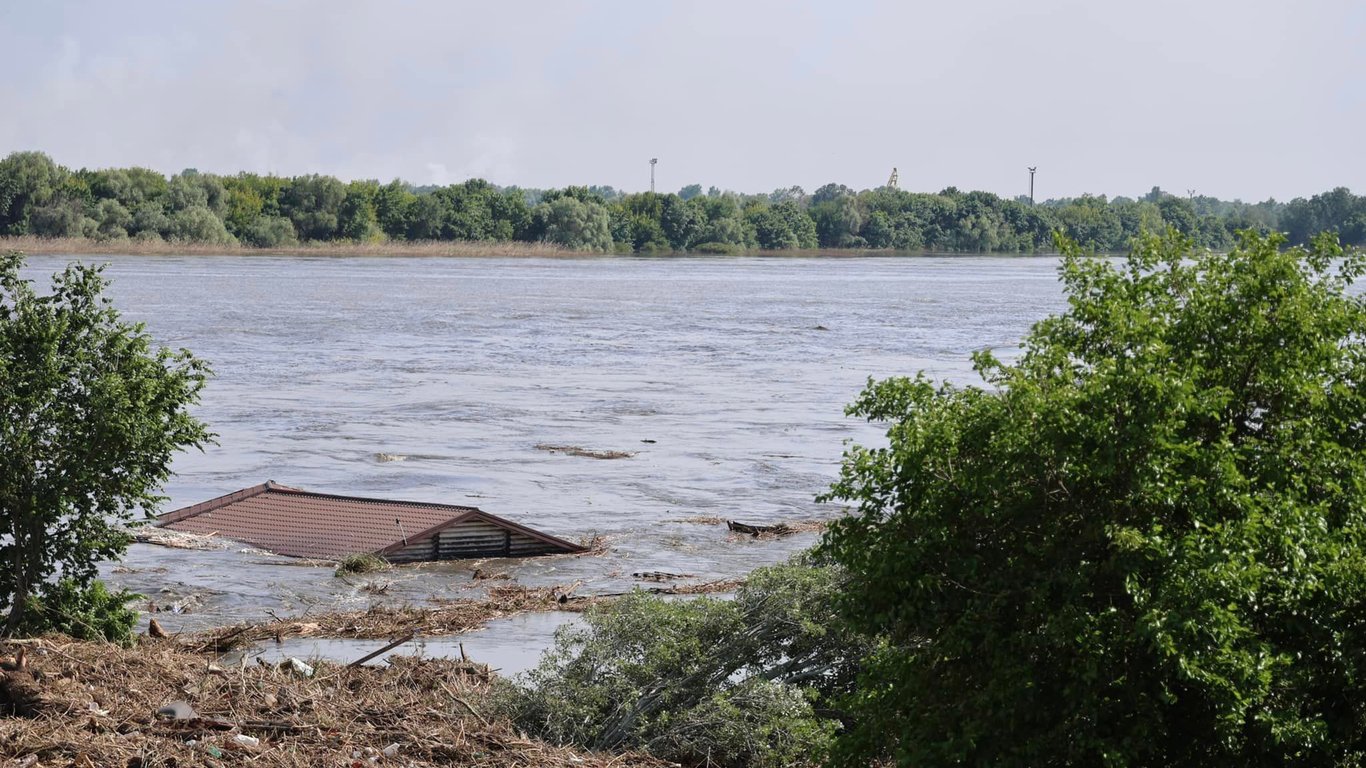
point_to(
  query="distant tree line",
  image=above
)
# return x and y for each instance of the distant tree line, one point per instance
(39, 197)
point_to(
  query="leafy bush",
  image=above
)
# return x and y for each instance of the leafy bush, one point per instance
(705, 682)
(85, 613)
(1141, 542)
(198, 224)
(729, 249)
(271, 232)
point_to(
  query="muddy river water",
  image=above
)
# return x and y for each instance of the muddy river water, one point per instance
(435, 379)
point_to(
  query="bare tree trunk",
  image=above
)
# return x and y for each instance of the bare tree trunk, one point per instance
(19, 597)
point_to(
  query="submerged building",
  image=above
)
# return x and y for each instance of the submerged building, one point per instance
(298, 523)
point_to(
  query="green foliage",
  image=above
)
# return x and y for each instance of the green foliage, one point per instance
(61, 218)
(198, 224)
(192, 189)
(356, 220)
(313, 203)
(89, 612)
(573, 223)
(39, 197)
(783, 226)
(1141, 543)
(28, 180)
(704, 682)
(93, 413)
(270, 232)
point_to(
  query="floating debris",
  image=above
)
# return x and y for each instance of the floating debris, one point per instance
(756, 531)
(448, 618)
(575, 450)
(385, 458)
(703, 520)
(164, 537)
(660, 576)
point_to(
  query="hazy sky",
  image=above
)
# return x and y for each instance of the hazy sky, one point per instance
(1245, 98)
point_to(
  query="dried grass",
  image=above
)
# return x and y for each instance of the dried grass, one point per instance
(165, 537)
(97, 704)
(447, 618)
(82, 246)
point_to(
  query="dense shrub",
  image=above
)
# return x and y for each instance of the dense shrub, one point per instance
(704, 682)
(271, 232)
(85, 613)
(1141, 543)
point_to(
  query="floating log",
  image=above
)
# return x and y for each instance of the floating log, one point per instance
(781, 529)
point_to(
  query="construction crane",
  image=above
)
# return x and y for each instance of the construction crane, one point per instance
(891, 182)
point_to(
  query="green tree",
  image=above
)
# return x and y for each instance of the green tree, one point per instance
(61, 218)
(679, 221)
(114, 219)
(270, 232)
(192, 189)
(313, 203)
(1141, 543)
(356, 219)
(837, 219)
(198, 224)
(743, 682)
(393, 206)
(129, 186)
(92, 416)
(582, 226)
(27, 180)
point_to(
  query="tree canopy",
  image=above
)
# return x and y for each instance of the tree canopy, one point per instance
(1141, 542)
(92, 414)
(40, 197)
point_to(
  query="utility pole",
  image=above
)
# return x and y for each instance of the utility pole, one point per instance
(653, 160)
(1032, 169)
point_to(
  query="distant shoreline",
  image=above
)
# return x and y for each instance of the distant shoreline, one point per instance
(80, 246)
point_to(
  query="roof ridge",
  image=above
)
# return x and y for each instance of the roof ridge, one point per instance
(195, 510)
(367, 499)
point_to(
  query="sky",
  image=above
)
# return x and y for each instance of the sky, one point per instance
(1249, 99)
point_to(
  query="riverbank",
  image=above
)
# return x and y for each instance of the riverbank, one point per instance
(472, 249)
(179, 699)
(81, 246)
(158, 705)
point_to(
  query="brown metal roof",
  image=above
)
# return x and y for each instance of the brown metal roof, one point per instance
(299, 523)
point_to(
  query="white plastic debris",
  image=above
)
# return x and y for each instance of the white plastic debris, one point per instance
(247, 741)
(298, 667)
(178, 710)
(391, 750)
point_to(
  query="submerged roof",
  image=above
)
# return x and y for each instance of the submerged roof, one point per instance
(298, 523)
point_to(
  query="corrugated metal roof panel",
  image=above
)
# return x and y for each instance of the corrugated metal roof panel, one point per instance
(298, 523)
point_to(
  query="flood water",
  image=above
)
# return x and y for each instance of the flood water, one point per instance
(509, 646)
(727, 379)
